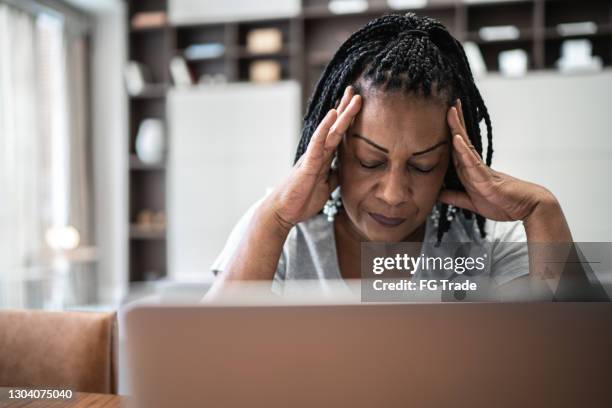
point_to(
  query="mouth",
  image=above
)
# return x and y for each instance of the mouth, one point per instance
(388, 222)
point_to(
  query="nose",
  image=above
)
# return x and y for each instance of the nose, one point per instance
(394, 187)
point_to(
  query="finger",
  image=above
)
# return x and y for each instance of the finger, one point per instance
(459, 106)
(316, 145)
(457, 199)
(342, 123)
(469, 165)
(454, 123)
(346, 98)
(457, 128)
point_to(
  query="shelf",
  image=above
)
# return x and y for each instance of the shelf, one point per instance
(525, 34)
(243, 53)
(152, 91)
(137, 165)
(149, 29)
(140, 232)
(322, 11)
(602, 30)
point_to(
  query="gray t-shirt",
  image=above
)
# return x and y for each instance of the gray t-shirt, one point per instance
(310, 249)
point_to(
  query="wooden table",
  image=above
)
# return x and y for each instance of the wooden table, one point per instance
(78, 400)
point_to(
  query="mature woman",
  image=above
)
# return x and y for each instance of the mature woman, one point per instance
(391, 152)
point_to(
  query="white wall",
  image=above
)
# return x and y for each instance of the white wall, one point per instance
(556, 130)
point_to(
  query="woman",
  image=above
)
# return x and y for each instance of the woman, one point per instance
(394, 122)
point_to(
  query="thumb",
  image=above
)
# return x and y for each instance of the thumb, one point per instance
(457, 198)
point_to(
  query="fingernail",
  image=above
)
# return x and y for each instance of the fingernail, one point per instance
(458, 136)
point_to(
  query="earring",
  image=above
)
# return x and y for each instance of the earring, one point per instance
(450, 213)
(330, 209)
(435, 216)
(334, 162)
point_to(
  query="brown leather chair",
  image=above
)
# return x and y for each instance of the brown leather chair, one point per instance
(74, 350)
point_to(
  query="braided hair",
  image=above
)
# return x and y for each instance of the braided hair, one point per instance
(408, 53)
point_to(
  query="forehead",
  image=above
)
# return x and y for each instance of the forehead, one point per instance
(401, 122)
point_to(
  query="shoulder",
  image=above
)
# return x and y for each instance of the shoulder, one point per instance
(506, 242)
(464, 229)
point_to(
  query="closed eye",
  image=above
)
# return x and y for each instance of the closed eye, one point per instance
(373, 165)
(423, 170)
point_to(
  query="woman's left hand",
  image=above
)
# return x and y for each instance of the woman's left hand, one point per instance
(490, 193)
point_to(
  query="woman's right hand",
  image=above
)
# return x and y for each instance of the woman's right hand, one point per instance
(310, 182)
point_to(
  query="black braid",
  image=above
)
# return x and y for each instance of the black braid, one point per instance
(414, 54)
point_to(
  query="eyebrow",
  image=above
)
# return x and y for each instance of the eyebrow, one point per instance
(429, 149)
(384, 149)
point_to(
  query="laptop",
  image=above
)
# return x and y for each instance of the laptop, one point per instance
(370, 355)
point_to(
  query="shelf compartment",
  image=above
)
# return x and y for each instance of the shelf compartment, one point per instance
(518, 14)
(147, 48)
(144, 108)
(137, 165)
(148, 259)
(200, 34)
(490, 52)
(572, 11)
(147, 191)
(140, 232)
(602, 47)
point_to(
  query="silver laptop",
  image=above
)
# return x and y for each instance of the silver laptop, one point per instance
(370, 355)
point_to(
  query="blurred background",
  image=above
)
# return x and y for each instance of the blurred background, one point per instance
(134, 134)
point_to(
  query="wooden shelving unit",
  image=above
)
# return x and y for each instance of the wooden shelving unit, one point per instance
(309, 41)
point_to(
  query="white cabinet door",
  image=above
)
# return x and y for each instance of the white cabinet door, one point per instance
(206, 11)
(227, 144)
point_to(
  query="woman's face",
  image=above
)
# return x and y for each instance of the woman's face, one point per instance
(392, 164)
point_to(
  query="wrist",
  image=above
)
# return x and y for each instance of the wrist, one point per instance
(546, 206)
(546, 222)
(270, 215)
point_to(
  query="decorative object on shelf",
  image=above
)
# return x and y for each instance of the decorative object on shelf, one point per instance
(578, 28)
(576, 56)
(347, 6)
(513, 63)
(149, 220)
(264, 41)
(209, 79)
(136, 77)
(149, 19)
(180, 72)
(499, 33)
(150, 141)
(196, 52)
(144, 217)
(475, 58)
(265, 71)
(406, 4)
(159, 219)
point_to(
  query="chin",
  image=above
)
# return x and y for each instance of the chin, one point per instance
(389, 236)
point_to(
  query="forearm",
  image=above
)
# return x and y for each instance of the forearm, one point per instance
(549, 240)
